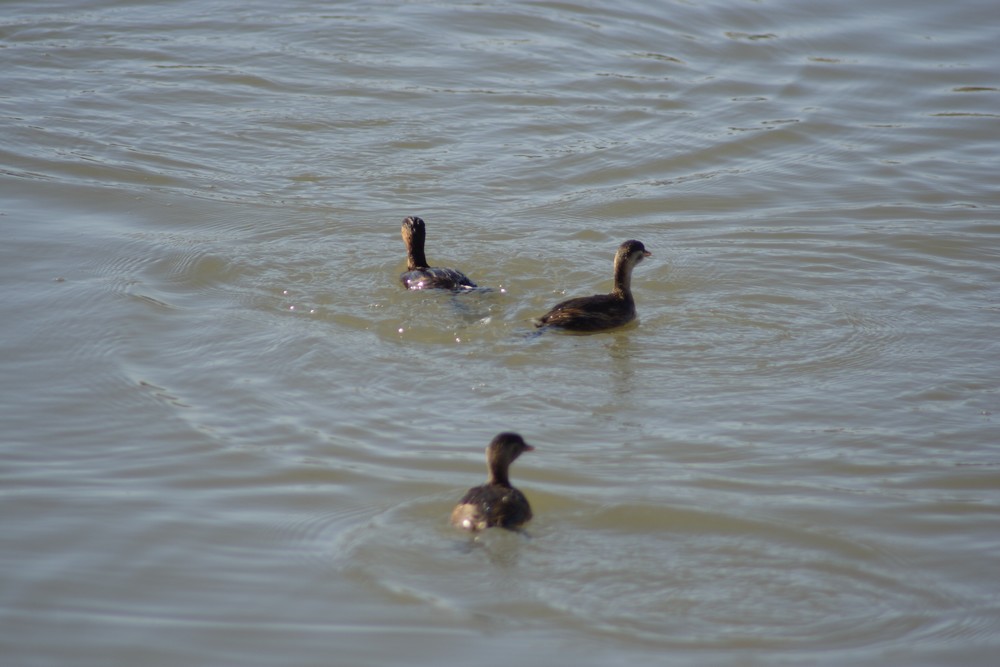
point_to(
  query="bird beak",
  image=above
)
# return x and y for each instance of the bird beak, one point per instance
(646, 253)
(529, 448)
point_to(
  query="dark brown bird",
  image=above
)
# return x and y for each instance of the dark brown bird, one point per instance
(495, 503)
(601, 311)
(420, 276)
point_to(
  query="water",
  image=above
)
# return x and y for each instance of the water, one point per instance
(229, 437)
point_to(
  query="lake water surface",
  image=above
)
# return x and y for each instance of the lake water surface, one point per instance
(229, 437)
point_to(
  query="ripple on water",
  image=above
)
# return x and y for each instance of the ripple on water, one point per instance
(771, 336)
(440, 317)
(674, 577)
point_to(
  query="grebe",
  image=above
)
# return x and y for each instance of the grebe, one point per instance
(495, 503)
(601, 311)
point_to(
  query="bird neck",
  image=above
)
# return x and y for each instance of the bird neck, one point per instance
(623, 280)
(415, 258)
(498, 473)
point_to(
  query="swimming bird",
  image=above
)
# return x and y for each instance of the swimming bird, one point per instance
(496, 503)
(601, 311)
(420, 276)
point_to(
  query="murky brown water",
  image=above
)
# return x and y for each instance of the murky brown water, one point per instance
(229, 437)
